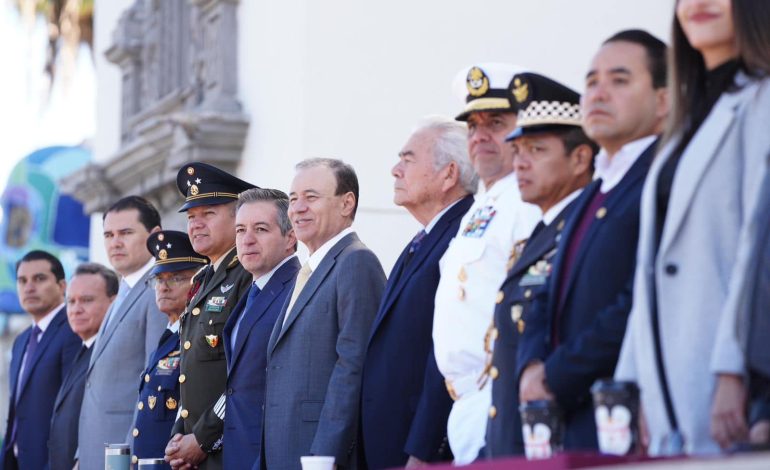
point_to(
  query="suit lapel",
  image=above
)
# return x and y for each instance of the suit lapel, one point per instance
(401, 275)
(77, 370)
(16, 359)
(117, 316)
(693, 162)
(619, 193)
(313, 283)
(50, 332)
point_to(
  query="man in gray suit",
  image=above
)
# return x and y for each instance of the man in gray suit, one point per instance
(128, 335)
(90, 292)
(316, 351)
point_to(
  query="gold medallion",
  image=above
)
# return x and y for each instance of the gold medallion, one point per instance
(171, 403)
(477, 82)
(194, 190)
(162, 254)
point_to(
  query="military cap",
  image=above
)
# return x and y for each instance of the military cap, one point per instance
(173, 251)
(205, 185)
(485, 88)
(543, 105)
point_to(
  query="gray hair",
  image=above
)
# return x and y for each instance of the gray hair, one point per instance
(278, 198)
(111, 281)
(344, 174)
(451, 145)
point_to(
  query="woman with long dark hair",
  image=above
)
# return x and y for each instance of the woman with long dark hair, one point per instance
(681, 343)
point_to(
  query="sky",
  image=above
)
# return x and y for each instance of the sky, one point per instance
(33, 114)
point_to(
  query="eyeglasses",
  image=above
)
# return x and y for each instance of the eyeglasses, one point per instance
(170, 282)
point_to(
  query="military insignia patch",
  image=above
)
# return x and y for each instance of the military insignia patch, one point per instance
(216, 304)
(537, 274)
(226, 288)
(163, 254)
(477, 82)
(520, 90)
(516, 251)
(171, 403)
(190, 170)
(212, 340)
(194, 190)
(479, 222)
(151, 401)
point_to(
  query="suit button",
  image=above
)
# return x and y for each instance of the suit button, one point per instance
(182, 378)
(492, 412)
(135, 432)
(196, 311)
(494, 373)
(528, 293)
(187, 345)
(184, 413)
(671, 269)
(229, 391)
(140, 405)
(134, 459)
(146, 377)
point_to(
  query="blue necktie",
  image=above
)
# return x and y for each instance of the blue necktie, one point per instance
(32, 344)
(253, 293)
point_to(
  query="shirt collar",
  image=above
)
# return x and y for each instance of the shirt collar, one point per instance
(611, 171)
(262, 280)
(501, 185)
(134, 277)
(551, 214)
(174, 327)
(221, 259)
(48, 318)
(315, 259)
(90, 341)
(438, 216)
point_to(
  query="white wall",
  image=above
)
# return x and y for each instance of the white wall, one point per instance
(350, 78)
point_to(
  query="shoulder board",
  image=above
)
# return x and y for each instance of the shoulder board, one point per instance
(233, 262)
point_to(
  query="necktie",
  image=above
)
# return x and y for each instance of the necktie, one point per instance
(207, 277)
(414, 245)
(253, 293)
(302, 277)
(29, 353)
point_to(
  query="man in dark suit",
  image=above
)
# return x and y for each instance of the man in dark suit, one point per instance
(41, 357)
(266, 248)
(405, 404)
(553, 162)
(210, 198)
(90, 292)
(316, 350)
(579, 318)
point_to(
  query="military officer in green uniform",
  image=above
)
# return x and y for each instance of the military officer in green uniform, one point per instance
(210, 197)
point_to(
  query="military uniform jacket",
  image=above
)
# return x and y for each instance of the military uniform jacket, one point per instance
(203, 367)
(472, 269)
(158, 399)
(527, 278)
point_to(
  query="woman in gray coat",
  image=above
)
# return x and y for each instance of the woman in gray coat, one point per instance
(681, 345)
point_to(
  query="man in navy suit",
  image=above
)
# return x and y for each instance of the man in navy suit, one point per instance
(266, 246)
(41, 357)
(405, 404)
(579, 318)
(90, 292)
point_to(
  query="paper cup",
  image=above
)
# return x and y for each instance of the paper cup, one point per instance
(616, 411)
(317, 462)
(542, 428)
